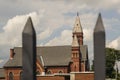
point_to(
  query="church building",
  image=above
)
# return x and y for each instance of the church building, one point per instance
(53, 59)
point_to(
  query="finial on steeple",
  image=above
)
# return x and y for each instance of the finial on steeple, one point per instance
(77, 13)
(77, 25)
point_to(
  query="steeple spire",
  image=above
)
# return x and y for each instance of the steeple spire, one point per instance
(77, 25)
(77, 30)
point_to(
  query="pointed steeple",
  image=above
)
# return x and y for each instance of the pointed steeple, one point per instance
(29, 29)
(75, 42)
(99, 24)
(77, 25)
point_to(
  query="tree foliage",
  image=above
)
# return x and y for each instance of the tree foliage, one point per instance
(111, 56)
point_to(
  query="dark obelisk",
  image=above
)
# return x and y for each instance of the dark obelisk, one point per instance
(29, 51)
(99, 49)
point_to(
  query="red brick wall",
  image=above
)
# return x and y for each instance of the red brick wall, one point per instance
(76, 65)
(83, 66)
(15, 71)
(2, 79)
(84, 76)
(50, 78)
(57, 69)
(77, 76)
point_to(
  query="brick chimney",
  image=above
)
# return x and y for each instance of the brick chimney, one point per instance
(11, 53)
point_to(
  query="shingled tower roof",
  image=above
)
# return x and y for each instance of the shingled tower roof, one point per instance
(75, 42)
(77, 25)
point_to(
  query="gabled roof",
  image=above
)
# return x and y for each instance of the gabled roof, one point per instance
(2, 73)
(51, 56)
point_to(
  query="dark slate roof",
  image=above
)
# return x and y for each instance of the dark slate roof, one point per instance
(48, 55)
(2, 73)
(17, 60)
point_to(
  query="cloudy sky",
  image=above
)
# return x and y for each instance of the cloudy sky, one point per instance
(54, 21)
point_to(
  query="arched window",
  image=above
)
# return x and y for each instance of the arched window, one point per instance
(60, 71)
(11, 76)
(21, 75)
(48, 72)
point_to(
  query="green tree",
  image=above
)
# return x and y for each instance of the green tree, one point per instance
(111, 56)
(92, 66)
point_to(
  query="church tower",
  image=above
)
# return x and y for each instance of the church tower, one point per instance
(79, 63)
(77, 30)
(76, 60)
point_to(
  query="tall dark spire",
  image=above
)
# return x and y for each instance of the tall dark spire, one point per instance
(99, 24)
(99, 49)
(29, 27)
(29, 51)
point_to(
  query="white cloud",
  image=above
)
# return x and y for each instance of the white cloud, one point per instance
(45, 22)
(13, 29)
(114, 44)
(88, 34)
(103, 4)
(64, 39)
(44, 34)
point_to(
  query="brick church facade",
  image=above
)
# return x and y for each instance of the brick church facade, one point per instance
(53, 59)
